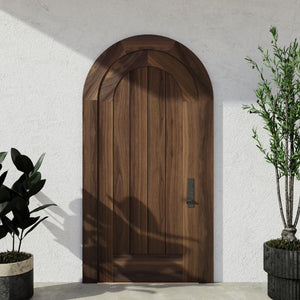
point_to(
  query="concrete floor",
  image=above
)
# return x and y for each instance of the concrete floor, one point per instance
(217, 291)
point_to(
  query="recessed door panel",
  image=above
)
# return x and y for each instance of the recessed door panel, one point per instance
(150, 170)
(150, 154)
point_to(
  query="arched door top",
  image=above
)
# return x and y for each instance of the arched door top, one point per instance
(165, 45)
(148, 58)
(182, 130)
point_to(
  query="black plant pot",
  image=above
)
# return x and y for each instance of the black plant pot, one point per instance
(16, 280)
(283, 268)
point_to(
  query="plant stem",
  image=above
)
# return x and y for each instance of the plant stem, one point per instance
(291, 198)
(297, 214)
(287, 166)
(13, 243)
(292, 166)
(279, 197)
(20, 239)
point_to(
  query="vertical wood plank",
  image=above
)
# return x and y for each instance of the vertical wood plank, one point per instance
(105, 203)
(94, 167)
(138, 161)
(206, 219)
(191, 154)
(174, 167)
(121, 167)
(90, 189)
(156, 162)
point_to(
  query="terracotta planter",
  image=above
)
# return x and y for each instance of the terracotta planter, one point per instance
(16, 280)
(283, 268)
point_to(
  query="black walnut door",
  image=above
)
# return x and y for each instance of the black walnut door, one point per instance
(152, 198)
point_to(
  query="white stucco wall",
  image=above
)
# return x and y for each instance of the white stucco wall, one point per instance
(46, 50)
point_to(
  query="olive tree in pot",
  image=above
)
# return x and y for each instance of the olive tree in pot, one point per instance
(17, 220)
(278, 104)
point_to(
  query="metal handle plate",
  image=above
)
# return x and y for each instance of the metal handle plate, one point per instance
(190, 193)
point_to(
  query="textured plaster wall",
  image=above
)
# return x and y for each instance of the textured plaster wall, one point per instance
(46, 50)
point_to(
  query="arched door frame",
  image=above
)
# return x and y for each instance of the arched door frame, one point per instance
(134, 52)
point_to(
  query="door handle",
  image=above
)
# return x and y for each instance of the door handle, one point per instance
(190, 193)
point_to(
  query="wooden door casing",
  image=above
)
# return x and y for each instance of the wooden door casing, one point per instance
(107, 117)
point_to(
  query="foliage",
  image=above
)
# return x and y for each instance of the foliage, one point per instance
(278, 104)
(16, 218)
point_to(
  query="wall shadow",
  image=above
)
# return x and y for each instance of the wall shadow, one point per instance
(136, 244)
(158, 267)
(77, 26)
(68, 224)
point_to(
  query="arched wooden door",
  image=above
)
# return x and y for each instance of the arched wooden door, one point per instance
(148, 165)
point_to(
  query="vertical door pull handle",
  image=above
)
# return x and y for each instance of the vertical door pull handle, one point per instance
(190, 193)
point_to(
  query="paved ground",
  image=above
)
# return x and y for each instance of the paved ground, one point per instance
(217, 291)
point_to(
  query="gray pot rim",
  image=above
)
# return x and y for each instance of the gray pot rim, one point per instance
(17, 268)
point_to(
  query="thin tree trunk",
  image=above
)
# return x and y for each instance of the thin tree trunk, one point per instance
(287, 203)
(288, 217)
(297, 214)
(279, 197)
(291, 197)
(292, 177)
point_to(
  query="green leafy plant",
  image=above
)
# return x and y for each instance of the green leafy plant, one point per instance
(16, 217)
(278, 104)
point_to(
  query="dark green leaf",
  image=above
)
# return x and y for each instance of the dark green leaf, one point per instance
(42, 207)
(35, 178)
(3, 206)
(18, 218)
(20, 185)
(2, 178)
(36, 188)
(9, 207)
(23, 164)
(21, 206)
(36, 224)
(9, 225)
(28, 222)
(5, 194)
(3, 231)
(38, 164)
(14, 154)
(2, 156)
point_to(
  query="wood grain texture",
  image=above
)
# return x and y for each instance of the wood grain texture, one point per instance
(105, 184)
(90, 190)
(174, 168)
(191, 153)
(206, 205)
(145, 42)
(97, 206)
(156, 162)
(121, 167)
(138, 161)
(98, 70)
(144, 58)
(178, 70)
(145, 268)
(118, 70)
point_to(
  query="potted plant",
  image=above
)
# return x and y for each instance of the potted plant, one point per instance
(278, 105)
(17, 220)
